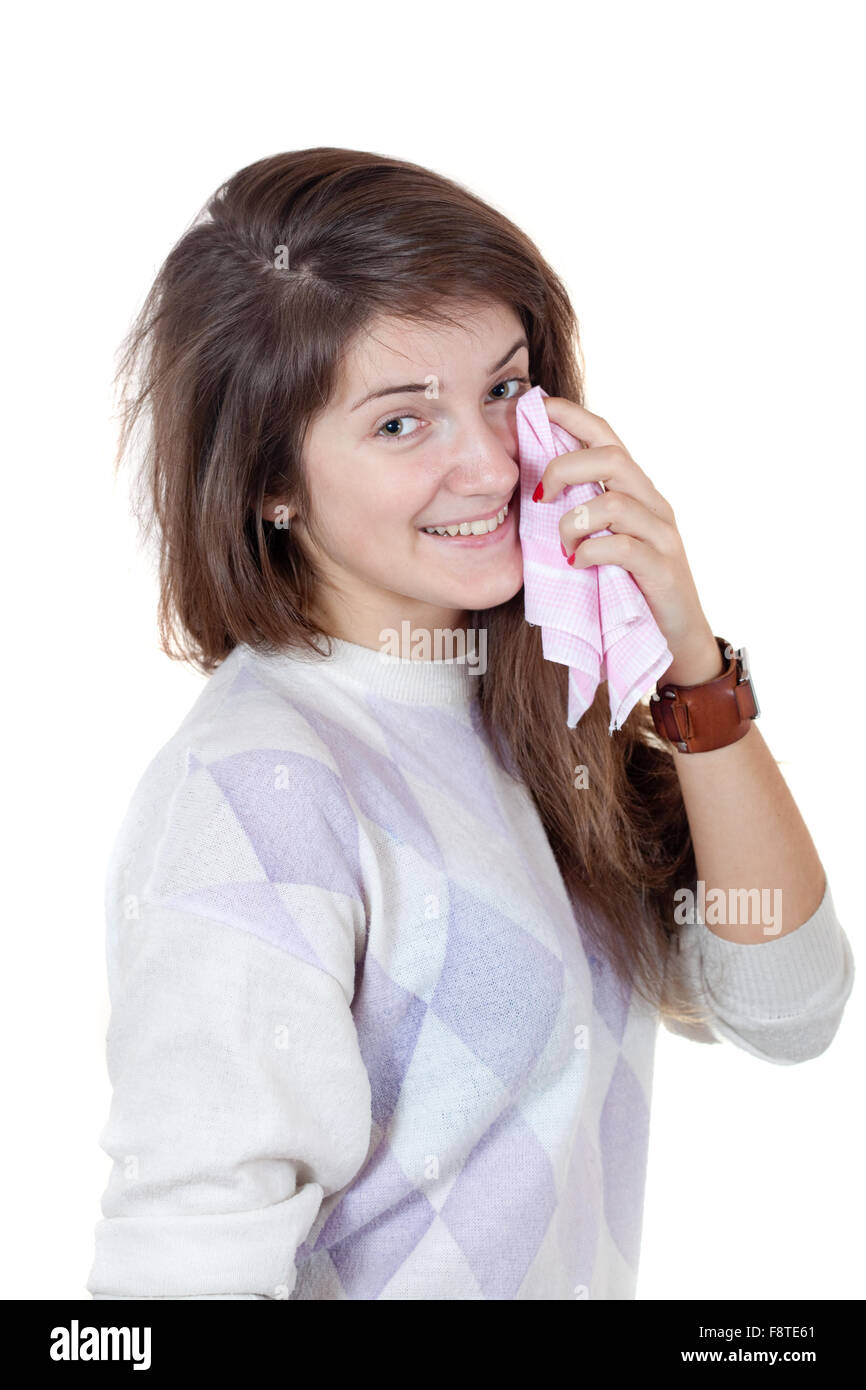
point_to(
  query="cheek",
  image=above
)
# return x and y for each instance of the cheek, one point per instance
(370, 529)
(366, 514)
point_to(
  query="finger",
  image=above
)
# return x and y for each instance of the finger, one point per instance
(617, 512)
(580, 422)
(641, 560)
(609, 464)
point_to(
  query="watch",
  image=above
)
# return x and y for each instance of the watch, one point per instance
(698, 718)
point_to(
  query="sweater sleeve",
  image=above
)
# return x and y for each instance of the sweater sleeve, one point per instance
(240, 1101)
(780, 999)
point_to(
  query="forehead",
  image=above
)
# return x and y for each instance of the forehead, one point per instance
(477, 333)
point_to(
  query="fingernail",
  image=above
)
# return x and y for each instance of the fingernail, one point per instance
(538, 493)
(571, 558)
(563, 549)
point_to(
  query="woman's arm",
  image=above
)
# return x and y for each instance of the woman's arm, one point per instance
(746, 829)
(747, 833)
(240, 1101)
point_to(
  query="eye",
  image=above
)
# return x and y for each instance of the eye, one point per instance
(385, 432)
(395, 420)
(515, 380)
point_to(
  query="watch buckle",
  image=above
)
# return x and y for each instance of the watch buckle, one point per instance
(670, 695)
(745, 676)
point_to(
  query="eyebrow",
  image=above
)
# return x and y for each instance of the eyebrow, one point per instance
(423, 385)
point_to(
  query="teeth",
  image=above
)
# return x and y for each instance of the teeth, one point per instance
(469, 528)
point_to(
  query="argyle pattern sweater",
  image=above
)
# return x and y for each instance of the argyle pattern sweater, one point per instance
(360, 1046)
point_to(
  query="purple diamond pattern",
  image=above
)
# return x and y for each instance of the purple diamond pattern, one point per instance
(377, 786)
(375, 1226)
(506, 1183)
(416, 735)
(481, 993)
(388, 1019)
(500, 990)
(624, 1146)
(276, 819)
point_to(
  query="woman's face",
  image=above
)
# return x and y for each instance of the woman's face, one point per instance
(387, 459)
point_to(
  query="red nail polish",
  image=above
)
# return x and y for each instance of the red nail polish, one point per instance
(538, 493)
(563, 549)
(571, 558)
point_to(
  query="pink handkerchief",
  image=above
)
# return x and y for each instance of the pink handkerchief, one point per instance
(595, 621)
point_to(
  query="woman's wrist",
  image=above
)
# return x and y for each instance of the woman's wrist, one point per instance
(695, 662)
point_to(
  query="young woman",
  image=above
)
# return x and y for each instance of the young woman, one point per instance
(385, 982)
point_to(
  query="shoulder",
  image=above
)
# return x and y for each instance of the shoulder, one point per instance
(242, 816)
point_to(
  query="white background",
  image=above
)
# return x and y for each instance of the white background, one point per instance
(695, 173)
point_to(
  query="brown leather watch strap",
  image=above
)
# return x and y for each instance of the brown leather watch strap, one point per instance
(698, 718)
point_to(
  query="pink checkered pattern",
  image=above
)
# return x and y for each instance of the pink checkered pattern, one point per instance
(596, 621)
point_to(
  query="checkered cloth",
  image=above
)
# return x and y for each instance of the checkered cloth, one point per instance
(596, 621)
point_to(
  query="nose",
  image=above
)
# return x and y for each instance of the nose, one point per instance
(483, 461)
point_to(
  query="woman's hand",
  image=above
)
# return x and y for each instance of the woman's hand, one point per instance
(645, 542)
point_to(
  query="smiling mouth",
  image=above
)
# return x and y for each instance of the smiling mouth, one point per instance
(483, 526)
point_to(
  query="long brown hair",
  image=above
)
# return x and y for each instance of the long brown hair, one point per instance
(236, 348)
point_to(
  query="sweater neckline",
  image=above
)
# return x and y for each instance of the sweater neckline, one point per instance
(409, 680)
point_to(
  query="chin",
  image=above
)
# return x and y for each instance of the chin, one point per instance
(488, 593)
(491, 586)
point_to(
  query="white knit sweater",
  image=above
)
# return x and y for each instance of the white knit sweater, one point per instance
(360, 1046)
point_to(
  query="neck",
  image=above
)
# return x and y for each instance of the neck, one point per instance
(422, 679)
(435, 635)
